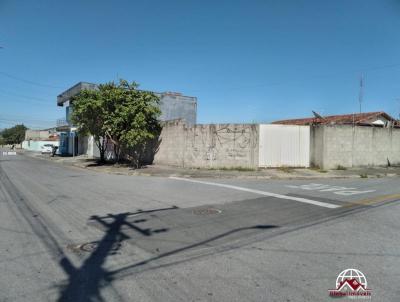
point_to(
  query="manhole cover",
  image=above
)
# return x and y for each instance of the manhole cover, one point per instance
(206, 211)
(85, 247)
(88, 247)
(92, 246)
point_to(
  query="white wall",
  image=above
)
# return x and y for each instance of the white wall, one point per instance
(37, 145)
(284, 145)
(92, 150)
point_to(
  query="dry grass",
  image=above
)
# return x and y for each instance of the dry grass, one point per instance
(285, 169)
(240, 169)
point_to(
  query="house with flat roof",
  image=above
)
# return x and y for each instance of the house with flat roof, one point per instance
(173, 106)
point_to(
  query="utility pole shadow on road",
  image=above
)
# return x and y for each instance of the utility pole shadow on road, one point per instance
(84, 283)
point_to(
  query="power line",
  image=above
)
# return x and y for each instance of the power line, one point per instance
(27, 121)
(30, 124)
(30, 98)
(28, 81)
(363, 70)
(23, 118)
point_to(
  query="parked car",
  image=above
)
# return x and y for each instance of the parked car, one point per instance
(47, 148)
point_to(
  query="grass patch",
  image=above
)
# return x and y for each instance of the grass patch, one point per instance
(285, 169)
(340, 167)
(318, 169)
(363, 175)
(315, 167)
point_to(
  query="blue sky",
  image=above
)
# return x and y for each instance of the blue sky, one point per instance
(246, 61)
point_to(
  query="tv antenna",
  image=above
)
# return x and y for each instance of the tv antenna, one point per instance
(361, 93)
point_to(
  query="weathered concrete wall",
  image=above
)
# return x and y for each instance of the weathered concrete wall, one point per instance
(316, 146)
(219, 145)
(176, 106)
(37, 134)
(357, 146)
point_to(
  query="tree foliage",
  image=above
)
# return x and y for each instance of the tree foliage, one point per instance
(121, 113)
(13, 135)
(89, 116)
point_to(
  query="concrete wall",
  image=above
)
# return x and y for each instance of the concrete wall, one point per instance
(316, 146)
(219, 145)
(176, 106)
(237, 145)
(357, 146)
(38, 134)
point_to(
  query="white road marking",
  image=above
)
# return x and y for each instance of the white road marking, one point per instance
(299, 199)
(345, 191)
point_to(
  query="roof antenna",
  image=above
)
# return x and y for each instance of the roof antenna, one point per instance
(361, 93)
(398, 100)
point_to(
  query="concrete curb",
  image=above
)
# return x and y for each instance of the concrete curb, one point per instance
(216, 174)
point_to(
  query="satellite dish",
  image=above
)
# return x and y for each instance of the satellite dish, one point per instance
(317, 115)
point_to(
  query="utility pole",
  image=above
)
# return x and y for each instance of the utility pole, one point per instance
(361, 93)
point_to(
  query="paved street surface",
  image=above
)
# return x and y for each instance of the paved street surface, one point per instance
(68, 234)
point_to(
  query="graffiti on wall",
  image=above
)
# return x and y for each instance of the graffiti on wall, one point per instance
(229, 142)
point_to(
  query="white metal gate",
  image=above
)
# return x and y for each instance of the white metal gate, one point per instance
(284, 145)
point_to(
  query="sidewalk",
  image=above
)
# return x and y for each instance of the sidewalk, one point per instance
(84, 162)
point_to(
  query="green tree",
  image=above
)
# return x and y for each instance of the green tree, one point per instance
(128, 117)
(132, 122)
(14, 135)
(88, 115)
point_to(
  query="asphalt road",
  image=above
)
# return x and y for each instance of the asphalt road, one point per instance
(68, 234)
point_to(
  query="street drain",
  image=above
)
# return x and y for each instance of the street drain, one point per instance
(206, 211)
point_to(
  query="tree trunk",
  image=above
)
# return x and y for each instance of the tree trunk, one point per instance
(117, 152)
(101, 147)
(137, 156)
